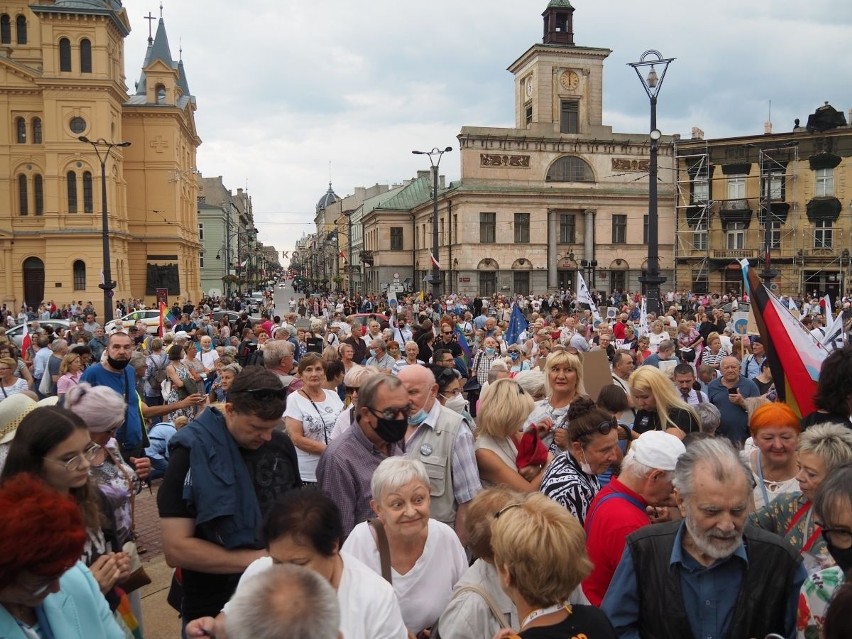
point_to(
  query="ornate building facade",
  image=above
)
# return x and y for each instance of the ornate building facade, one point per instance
(557, 193)
(801, 178)
(62, 77)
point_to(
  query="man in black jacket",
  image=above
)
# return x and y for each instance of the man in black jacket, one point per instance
(712, 574)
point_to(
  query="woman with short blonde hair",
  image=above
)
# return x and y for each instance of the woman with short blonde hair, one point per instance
(502, 416)
(563, 383)
(526, 536)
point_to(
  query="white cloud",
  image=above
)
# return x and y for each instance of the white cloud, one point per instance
(285, 87)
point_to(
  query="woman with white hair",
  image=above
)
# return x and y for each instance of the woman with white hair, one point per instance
(352, 381)
(422, 558)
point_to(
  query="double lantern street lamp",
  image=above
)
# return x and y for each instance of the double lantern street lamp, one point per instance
(652, 84)
(435, 163)
(102, 150)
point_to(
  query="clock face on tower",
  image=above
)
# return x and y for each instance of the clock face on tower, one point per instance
(529, 87)
(569, 80)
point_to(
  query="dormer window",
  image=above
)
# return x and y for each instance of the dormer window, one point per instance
(161, 94)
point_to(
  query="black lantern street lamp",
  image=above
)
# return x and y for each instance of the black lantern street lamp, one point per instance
(102, 150)
(435, 163)
(590, 266)
(652, 84)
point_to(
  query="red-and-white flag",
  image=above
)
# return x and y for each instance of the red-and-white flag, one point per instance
(435, 261)
(26, 342)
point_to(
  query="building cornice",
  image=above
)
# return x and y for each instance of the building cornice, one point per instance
(558, 51)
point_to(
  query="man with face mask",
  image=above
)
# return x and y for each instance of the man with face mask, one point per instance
(347, 465)
(711, 574)
(441, 439)
(115, 373)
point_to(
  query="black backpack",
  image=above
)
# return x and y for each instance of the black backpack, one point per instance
(159, 374)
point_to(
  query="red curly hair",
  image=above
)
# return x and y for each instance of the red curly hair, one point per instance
(41, 530)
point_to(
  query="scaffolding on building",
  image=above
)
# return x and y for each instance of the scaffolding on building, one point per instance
(717, 210)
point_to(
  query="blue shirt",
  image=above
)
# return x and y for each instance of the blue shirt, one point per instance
(129, 434)
(734, 424)
(709, 593)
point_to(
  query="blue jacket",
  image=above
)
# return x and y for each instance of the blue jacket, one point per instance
(77, 611)
(218, 485)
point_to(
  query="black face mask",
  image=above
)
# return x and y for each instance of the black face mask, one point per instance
(843, 556)
(391, 430)
(117, 364)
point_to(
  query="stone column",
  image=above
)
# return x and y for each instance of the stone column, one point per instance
(552, 257)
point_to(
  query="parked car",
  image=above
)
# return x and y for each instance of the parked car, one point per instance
(150, 316)
(16, 333)
(232, 316)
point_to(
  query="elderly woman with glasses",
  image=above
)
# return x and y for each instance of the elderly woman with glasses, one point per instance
(821, 449)
(421, 557)
(44, 590)
(571, 480)
(55, 444)
(9, 384)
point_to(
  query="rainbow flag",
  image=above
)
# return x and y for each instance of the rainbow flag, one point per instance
(795, 356)
(462, 342)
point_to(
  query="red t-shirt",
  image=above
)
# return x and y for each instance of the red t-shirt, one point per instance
(619, 330)
(607, 528)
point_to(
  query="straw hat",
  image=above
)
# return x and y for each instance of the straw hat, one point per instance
(14, 409)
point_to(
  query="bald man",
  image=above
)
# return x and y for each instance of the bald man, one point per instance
(442, 440)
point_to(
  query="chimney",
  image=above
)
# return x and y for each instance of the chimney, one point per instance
(767, 127)
(697, 134)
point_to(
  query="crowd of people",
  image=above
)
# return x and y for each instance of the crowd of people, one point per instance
(425, 468)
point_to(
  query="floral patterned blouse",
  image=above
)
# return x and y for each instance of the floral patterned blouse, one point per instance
(791, 517)
(118, 482)
(817, 593)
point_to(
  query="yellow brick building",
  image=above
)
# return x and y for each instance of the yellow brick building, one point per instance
(62, 77)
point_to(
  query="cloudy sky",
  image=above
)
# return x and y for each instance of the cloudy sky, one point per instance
(294, 93)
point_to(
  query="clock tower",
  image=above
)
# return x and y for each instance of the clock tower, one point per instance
(559, 85)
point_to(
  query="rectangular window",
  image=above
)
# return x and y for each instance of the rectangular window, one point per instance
(700, 189)
(735, 236)
(569, 120)
(201, 260)
(824, 182)
(456, 237)
(773, 185)
(774, 236)
(567, 228)
(487, 283)
(645, 234)
(201, 232)
(396, 238)
(736, 187)
(487, 228)
(823, 234)
(699, 235)
(522, 283)
(522, 228)
(619, 229)
(528, 113)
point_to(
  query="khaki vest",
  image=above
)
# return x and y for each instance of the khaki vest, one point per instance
(435, 450)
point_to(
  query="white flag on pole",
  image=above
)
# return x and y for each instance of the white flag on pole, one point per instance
(828, 318)
(643, 318)
(584, 297)
(834, 333)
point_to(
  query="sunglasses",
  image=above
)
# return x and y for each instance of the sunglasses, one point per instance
(264, 394)
(392, 412)
(604, 428)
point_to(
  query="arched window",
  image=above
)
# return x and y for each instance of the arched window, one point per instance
(85, 56)
(79, 275)
(161, 94)
(64, 54)
(5, 29)
(38, 192)
(23, 198)
(71, 178)
(36, 124)
(88, 203)
(21, 131)
(570, 169)
(21, 27)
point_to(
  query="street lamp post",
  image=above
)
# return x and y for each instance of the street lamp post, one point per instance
(590, 266)
(349, 265)
(652, 85)
(102, 150)
(435, 163)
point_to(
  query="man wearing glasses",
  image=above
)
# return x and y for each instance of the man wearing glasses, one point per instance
(448, 341)
(346, 467)
(226, 469)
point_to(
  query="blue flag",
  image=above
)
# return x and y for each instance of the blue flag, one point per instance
(517, 325)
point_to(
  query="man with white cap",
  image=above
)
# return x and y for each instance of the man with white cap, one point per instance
(622, 506)
(711, 574)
